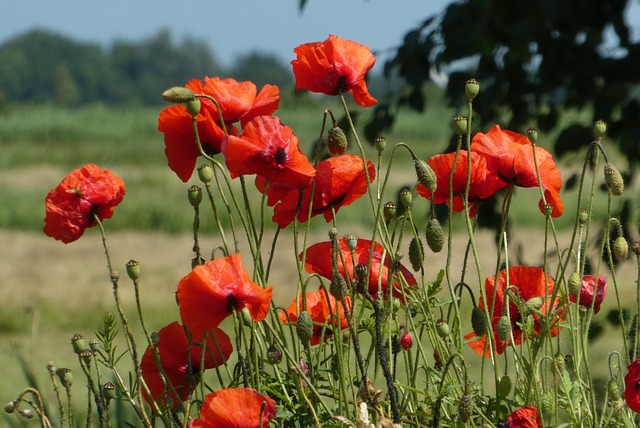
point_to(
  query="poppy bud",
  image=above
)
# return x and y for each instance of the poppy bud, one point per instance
(532, 135)
(26, 413)
(65, 376)
(396, 346)
(465, 408)
(78, 344)
(406, 340)
(352, 242)
(442, 328)
(10, 407)
(583, 216)
(460, 124)
(620, 248)
(548, 403)
(434, 235)
(471, 89)
(246, 317)
(178, 95)
(195, 195)
(613, 389)
(478, 321)
(389, 211)
(304, 327)
(533, 304)
(437, 360)
(574, 284)
(338, 287)
(504, 386)
(133, 270)
(108, 391)
(425, 174)
(274, 356)
(613, 179)
(205, 173)
(380, 143)
(600, 128)
(406, 197)
(337, 141)
(193, 106)
(504, 328)
(416, 253)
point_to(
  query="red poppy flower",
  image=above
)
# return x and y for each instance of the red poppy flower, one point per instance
(529, 283)
(321, 314)
(483, 184)
(524, 417)
(318, 260)
(71, 206)
(235, 408)
(333, 67)
(632, 386)
(340, 180)
(181, 363)
(591, 290)
(269, 149)
(512, 154)
(238, 103)
(212, 291)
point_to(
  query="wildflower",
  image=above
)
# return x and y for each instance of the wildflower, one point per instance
(213, 291)
(483, 184)
(632, 386)
(238, 101)
(510, 156)
(334, 66)
(406, 340)
(527, 283)
(592, 292)
(180, 362)
(318, 260)
(339, 181)
(524, 417)
(324, 312)
(83, 193)
(235, 408)
(269, 149)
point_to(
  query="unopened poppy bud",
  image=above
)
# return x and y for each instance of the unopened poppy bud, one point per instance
(338, 287)
(425, 174)
(205, 173)
(635, 247)
(434, 235)
(465, 408)
(108, 391)
(559, 361)
(389, 211)
(77, 343)
(442, 328)
(246, 317)
(620, 248)
(396, 345)
(94, 345)
(133, 269)
(613, 179)
(613, 389)
(406, 340)
(304, 327)
(534, 304)
(193, 106)
(195, 195)
(10, 407)
(26, 413)
(460, 124)
(478, 321)
(178, 95)
(337, 141)
(416, 254)
(381, 143)
(406, 197)
(471, 89)
(65, 376)
(274, 356)
(548, 403)
(352, 242)
(600, 128)
(504, 328)
(504, 386)
(532, 135)
(583, 216)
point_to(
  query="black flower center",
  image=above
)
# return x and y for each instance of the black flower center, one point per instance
(280, 156)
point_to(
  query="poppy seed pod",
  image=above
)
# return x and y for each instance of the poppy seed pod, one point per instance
(178, 95)
(406, 197)
(600, 128)
(304, 327)
(425, 174)
(381, 143)
(620, 248)
(613, 179)
(416, 253)
(583, 216)
(108, 391)
(532, 135)
(65, 376)
(434, 235)
(471, 89)
(389, 211)
(352, 242)
(205, 173)
(460, 124)
(442, 328)
(78, 344)
(337, 141)
(194, 193)
(133, 270)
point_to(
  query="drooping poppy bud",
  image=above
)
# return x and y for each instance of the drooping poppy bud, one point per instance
(435, 235)
(337, 141)
(613, 179)
(465, 408)
(304, 327)
(425, 174)
(416, 253)
(504, 328)
(620, 248)
(478, 321)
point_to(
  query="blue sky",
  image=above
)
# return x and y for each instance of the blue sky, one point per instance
(231, 28)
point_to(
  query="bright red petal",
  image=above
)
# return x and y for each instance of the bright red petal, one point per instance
(236, 408)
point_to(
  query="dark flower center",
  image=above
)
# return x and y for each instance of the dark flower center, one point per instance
(280, 156)
(232, 303)
(637, 385)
